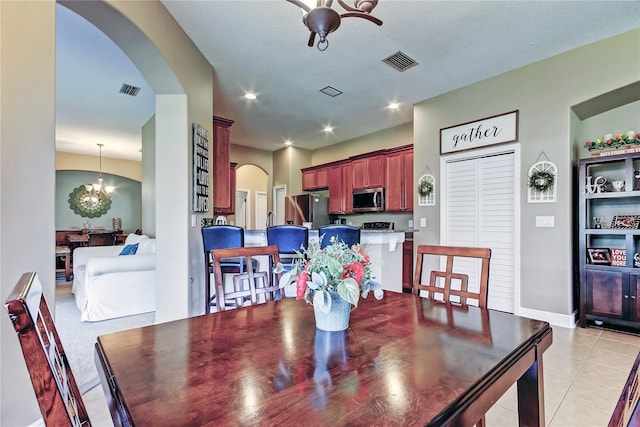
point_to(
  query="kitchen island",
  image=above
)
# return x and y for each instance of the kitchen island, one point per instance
(383, 246)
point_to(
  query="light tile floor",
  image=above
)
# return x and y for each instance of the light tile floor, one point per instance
(584, 372)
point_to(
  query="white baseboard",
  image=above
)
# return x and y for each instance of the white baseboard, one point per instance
(555, 319)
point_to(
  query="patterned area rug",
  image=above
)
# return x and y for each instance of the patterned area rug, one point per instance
(78, 338)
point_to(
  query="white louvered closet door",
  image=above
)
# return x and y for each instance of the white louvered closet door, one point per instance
(479, 203)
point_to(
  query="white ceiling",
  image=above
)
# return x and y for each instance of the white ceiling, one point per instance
(261, 46)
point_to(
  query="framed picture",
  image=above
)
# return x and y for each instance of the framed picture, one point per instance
(629, 222)
(200, 168)
(600, 256)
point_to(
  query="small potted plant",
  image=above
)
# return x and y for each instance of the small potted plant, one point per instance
(332, 280)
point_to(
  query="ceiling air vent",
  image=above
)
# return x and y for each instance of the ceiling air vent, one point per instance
(331, 91)
(129, 90)
(400, 61)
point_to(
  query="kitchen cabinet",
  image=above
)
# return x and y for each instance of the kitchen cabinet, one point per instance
(315, 178)
(609, 282)
(231, 208)
(340, 183)
(368, 171)
(399, 180)
(613, 296)
(222, 196)
(407, 263)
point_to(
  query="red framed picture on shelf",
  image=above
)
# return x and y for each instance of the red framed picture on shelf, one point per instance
(618, 257)
(599, 256)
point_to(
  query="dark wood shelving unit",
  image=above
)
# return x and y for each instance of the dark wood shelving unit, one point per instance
(609, 293)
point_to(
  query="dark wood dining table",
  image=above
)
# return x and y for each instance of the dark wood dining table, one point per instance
(403, 360)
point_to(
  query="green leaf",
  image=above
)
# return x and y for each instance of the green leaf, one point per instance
(286, 279)
(322, 300)
(349, 291)
(334, 267)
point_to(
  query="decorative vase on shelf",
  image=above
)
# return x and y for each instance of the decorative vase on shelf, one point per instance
(337, 319)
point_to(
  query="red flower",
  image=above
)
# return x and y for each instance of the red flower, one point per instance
(618, 137)
(588, 144)
(365, 256)
(301, 284)
(608, 142)
(354, 270)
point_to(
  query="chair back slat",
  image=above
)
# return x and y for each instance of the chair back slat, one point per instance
(441, 283)
(53, 382)
(252, 285)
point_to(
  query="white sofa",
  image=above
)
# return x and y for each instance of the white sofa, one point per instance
(107, 285)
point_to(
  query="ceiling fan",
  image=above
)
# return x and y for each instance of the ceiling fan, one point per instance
(322, 19)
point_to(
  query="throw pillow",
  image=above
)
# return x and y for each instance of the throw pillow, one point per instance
(129, 250)
(132, 239)
(147, 246)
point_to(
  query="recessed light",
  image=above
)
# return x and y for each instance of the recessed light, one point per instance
(250, 95)
(393, 106)
(328, 129)
(288, 143)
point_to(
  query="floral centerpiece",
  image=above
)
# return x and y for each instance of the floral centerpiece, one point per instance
(614, 141)
(335, 275)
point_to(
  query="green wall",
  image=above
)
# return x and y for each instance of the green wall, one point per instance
(125, 201)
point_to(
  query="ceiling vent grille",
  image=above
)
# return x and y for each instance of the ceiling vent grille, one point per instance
(331, 91)
(129, 90)
(400, 61)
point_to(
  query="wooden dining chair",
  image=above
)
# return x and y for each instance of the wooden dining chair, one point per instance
(53, 382)
(220, 237)
(102, 238)
(452, 284)
(252, 285)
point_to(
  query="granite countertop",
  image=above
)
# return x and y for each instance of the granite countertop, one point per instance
(402, 230)
(397, 230)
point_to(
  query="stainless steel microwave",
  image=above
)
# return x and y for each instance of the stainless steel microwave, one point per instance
(369, 200)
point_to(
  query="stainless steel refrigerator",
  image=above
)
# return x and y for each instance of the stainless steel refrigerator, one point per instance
(307, 208)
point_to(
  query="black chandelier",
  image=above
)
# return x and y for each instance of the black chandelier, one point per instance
(322, 19)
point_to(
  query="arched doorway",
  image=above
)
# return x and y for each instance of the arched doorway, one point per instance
(252, 183)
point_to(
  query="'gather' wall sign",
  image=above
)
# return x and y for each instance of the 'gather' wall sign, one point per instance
(492, 130)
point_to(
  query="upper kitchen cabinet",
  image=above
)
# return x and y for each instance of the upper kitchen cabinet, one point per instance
(315, 178)
(368, 171)
(340, 182)
(223, 198)
(231, 209)
(399, 180)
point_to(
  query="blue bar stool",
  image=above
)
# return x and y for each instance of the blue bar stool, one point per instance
(347, 233)
(288, 239)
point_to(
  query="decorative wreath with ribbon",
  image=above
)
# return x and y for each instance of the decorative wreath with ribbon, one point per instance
(425, 187)
(541, 180)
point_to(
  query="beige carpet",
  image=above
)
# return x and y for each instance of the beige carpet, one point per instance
(78, 338)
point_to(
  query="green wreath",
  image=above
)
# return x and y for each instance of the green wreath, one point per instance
(541, 180)
(87, 204)
(425, 187)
